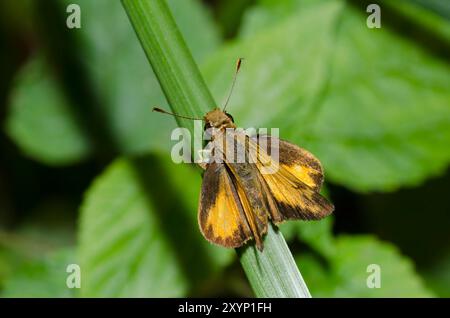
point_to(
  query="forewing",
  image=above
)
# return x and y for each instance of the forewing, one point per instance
(221, 217)
(295, 184)
(297, 161)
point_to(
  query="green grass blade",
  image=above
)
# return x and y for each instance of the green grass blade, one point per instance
(170, 58)
(272, 273)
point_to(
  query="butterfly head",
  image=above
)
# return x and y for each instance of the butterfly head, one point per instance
(218, 119)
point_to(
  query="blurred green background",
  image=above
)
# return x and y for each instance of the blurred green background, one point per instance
(85, 170)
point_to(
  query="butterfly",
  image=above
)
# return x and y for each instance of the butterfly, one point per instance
(239, 198)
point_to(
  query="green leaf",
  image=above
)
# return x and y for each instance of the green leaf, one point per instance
(438, 6)
(8, 262)
(372, 105)
(399, 125)
(34, 256)
(121, 75)
(274, 66)
(438, 276)
(347, 273)
(268, 13)
(139, 235)
(40, 119)
(319, 235)
(44, 277)
(430, 20)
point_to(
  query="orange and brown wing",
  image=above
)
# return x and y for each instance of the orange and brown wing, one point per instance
(296, 183)
(221, 216)
(297, 161)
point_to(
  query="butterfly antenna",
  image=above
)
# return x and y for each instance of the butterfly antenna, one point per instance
(238, 66)
(159, 110)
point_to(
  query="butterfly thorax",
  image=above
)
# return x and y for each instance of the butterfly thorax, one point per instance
(218, 119)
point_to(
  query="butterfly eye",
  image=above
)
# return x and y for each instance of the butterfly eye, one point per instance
(229, 116)
(207, 126)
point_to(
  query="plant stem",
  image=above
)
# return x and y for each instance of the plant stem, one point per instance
(273, 272)
(171, 60)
